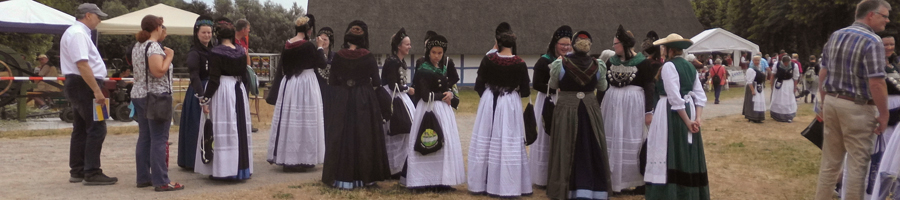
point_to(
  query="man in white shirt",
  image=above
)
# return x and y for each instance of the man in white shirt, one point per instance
(83, 68)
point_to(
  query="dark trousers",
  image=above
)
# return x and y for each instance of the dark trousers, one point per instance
(718, 88)
(150, 154)
(87, 134)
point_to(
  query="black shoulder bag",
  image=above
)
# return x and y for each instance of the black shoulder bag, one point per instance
(401, 121)
(530, 123)
(159, 105)
(547, 112)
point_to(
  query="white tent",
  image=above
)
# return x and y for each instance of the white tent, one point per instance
(27, 16)
(177, 21)
(720, 40)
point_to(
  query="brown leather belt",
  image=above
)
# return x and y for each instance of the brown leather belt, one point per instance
(849, 98)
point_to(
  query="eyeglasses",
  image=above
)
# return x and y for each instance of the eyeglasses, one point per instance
(882, 15)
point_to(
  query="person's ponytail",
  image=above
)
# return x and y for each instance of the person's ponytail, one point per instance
(148, 24)
(142, 36)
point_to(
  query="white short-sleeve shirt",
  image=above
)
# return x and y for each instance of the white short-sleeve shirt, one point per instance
(76, 45)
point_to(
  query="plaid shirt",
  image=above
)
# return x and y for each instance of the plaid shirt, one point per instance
(852, 56)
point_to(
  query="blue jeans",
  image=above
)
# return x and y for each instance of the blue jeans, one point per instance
(718, 88)
(151, 146)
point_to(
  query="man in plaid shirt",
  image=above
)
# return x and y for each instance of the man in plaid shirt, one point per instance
(855, 100)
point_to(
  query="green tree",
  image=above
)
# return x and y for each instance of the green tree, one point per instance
(296, 10)
(270, 24)
(705, 12)
(114, 8)
(223, 7)
(198, 7)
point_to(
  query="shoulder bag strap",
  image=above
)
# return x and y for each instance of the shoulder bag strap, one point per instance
(147, 65)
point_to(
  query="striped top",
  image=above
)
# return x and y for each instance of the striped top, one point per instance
(852, 55)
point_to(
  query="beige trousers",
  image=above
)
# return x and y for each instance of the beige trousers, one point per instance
(848, 130)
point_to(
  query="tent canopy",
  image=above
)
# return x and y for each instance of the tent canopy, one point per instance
(720, 40)
(27, 16)
(177, 21)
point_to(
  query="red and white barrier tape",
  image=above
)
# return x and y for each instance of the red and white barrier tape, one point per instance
(27, 78)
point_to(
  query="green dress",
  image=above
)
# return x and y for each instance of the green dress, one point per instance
(579, 162)
(686, 162)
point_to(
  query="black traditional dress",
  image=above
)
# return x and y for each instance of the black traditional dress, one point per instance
(394, 78)
(784, 103)
(539, 151)
(355, 154)
(498, 164)
(326, 89)
(297, 136)
(754, 105)
(445, 167)
(624, 105)
(579, 165)
(230, 112)
(197, 63)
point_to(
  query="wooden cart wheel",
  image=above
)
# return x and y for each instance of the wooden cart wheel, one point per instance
(6, 73)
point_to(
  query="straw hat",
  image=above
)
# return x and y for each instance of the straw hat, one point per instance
(674, 41)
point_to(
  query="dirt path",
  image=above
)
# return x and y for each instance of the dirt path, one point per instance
(37, 168)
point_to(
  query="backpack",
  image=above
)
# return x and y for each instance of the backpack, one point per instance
(783, 73)
(760, 76)
(716, 79)
(810, 74)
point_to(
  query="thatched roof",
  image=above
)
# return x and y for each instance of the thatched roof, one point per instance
(469, 24)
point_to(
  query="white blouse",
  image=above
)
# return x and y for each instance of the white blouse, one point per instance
(672, 85)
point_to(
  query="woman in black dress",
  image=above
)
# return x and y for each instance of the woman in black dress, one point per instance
(297, 139)
(394, 78)
(539, 152)
(355, 154)
(498, 164)
(190, 110)
(225, 101)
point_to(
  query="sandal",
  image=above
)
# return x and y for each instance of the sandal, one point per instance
(169, 187)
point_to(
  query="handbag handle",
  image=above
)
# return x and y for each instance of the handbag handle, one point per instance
(394, 93)
(430, 101)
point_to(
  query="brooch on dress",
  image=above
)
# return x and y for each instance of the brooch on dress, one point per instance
(621, 75)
